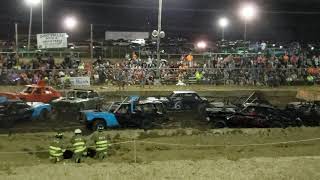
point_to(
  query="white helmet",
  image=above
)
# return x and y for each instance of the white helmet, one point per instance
(77, 131)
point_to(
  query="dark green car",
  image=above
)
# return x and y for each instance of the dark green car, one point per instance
(75, 101)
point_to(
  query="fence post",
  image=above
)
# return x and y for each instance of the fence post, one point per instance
(135, 150)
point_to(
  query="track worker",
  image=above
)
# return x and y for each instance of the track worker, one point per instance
(101, 143)
(79, 146)
(56, 149)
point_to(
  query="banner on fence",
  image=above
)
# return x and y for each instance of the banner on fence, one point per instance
(80, 81)
(52, 40)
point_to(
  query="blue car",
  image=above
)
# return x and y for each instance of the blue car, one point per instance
(135, 114)
(15, 110)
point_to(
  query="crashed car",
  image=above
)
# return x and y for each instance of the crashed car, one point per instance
(220, 110)
(35, 93)
(15, 110)
(308, 112)
(255, 116)
(77, 100)
(134, 113)
(183, 100)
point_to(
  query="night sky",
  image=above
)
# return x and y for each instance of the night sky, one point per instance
(277, 20)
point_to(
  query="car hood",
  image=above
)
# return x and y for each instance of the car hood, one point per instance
(69, 100)
(161, 99)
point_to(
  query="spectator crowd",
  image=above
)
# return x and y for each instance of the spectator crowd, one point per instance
(260, 69)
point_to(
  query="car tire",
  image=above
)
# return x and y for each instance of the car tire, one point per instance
(7, 123)
(97, 123)
(276, 124)
(298, 122)
(146, 124)
(44, 115)
(219, 124)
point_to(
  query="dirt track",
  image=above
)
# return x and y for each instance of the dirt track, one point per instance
(172, 161)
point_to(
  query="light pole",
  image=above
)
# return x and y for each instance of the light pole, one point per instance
(31, 3)
(159, 30)
(247, 13)
(223, 23)
(42, 18)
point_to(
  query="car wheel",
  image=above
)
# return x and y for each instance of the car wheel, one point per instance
(7, 123)
(146, 124)
(299, 122)
(276, 124)
(44, 115)
(219, 124)
(98, 123)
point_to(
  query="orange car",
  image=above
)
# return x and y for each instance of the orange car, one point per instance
(35, 93)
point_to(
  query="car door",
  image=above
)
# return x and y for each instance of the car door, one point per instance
(24, 111)
(37, 95)
(94, 101)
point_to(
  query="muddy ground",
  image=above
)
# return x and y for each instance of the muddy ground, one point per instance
(173, 154)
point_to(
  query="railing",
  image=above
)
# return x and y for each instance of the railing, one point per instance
(149, 76)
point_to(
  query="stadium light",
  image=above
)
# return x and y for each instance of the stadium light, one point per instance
(202, 45)
(223, 23)
(248, 13)
(70, 23)
(32, 3)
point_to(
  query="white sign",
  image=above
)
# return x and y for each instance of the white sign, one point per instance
(117, 35)
(52, 40)
(80, 81)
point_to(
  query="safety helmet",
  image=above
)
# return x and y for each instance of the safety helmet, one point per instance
(77, 131)
(59, 135)
(100, 128)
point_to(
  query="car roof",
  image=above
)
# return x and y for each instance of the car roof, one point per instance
(37, 86)
(184, 92)
(83, 90)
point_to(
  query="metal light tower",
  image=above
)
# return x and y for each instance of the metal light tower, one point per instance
(31, 3)
(159, 30)
(223, 23)
(247, 12)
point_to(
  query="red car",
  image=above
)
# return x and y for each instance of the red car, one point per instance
(35, 93)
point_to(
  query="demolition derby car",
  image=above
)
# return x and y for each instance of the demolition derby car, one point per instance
(308, 112)
(35, 93)
(77, 100)
(15, 110)
(183, 100)
(133, 113)
(251, 115)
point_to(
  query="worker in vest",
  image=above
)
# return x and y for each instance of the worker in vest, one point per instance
(79, 146)
(100, 142)
(310, 80)
(198, 76)
(56, 149)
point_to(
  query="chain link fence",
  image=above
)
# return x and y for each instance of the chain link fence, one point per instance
(166, 76)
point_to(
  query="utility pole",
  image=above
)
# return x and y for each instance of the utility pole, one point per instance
(91, 41)
(16, 37)
(30, 28)
(42, 18)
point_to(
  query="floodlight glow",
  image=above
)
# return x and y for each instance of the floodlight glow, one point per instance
(70, 22)
(32, 2)
(248, 11)
(201, 45)
(223, 22)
